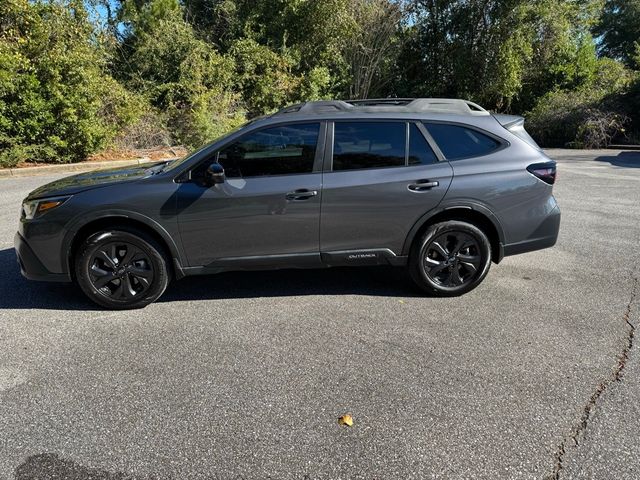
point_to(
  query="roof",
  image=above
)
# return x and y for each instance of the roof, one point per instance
(387, 105)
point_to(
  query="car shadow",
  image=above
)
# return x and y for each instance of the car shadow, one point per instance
(629, 159)
(18, 293)
(48, 466)
(370, 281)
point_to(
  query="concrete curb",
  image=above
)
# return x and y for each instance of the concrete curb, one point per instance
(71, 167)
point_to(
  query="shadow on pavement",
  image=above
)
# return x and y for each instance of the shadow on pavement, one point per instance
(17, 292)
(49, 466)
(371, 281)
(623, 159)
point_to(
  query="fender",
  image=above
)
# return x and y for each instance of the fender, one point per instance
(466, 204)
(76, 224)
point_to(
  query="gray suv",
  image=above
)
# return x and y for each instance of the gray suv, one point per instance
(440, 186)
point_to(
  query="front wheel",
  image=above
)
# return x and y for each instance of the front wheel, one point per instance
(121, 269)
(450, 259)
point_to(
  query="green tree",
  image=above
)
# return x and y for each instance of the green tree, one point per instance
(504, 54)
(57, 103)
(619, 29)
(183, 77)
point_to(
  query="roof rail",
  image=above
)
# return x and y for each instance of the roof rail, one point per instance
(324, 106)
(446, 105)
(415, 105)
(371, 102)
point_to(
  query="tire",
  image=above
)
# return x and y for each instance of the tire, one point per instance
(450, 259)
(121, 269)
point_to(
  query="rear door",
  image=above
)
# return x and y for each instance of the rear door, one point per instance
(380, 178)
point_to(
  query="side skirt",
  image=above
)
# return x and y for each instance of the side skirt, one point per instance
(305, 260)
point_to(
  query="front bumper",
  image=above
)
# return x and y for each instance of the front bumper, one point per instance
(30, 265)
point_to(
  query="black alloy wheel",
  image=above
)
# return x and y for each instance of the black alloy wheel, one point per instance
(451, 258)
(121, 268)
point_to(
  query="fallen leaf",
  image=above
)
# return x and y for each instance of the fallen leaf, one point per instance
(346, 420)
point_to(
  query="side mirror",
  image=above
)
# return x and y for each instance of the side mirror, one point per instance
(214, 174)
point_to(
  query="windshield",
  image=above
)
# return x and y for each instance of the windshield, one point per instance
(179, 161)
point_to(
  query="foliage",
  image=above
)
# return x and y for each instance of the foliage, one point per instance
(619, 29)
(57, 103)
(79, 75)
(372, 45)
(183, 77)
(589, 117)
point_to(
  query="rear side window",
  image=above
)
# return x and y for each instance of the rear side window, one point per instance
(358, 145)
(458, 142)
(420, 153)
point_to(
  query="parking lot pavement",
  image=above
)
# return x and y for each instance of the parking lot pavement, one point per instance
(244, 375)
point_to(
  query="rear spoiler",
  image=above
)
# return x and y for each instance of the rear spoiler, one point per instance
(508, 121)
(515, 124)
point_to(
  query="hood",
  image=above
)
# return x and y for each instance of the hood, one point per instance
(97, 178)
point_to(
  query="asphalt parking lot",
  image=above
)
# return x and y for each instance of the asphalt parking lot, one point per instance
(533, 375)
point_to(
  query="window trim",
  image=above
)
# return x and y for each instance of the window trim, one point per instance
(317, 161)
(430, 141)
(503, 143)
(328, 157)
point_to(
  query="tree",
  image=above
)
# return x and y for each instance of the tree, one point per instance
(372, 44)
(183, 77)
(619, 30)
(475, 48)
(57, 102)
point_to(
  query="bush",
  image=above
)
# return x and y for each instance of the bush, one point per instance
(181, 76)
(148, 131)
(56, 103)
(589, 117)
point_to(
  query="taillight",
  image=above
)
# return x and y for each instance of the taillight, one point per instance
(544, 171)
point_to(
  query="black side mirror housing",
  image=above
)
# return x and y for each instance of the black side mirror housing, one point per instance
(214, 174)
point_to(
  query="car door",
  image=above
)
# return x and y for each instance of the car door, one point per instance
(268, 208)
(380, 178)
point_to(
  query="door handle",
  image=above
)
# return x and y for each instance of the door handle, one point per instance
(301, 194)
(422, 186)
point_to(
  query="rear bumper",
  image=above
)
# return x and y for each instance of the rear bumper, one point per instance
(30, 265)
(545, 236)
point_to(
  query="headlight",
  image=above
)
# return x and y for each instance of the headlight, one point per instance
(35, 208)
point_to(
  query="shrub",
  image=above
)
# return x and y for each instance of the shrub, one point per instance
(588, 117)
(182, 76)
(56, 103)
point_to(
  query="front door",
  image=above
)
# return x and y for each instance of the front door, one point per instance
(381, 178)
(268, 208)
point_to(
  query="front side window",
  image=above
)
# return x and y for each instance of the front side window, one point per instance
(358, 145)
(456, 141)
(283, 150)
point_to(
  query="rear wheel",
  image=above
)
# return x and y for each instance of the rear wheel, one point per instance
(121, 269)
(450, 259)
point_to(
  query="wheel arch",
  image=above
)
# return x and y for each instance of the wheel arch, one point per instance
(477, 215)
(83, 229)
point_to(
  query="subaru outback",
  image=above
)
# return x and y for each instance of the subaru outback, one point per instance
(439, 186)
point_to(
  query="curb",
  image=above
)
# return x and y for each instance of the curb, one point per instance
(72, 167)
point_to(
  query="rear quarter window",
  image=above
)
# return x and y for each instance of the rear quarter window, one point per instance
(457, 142)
